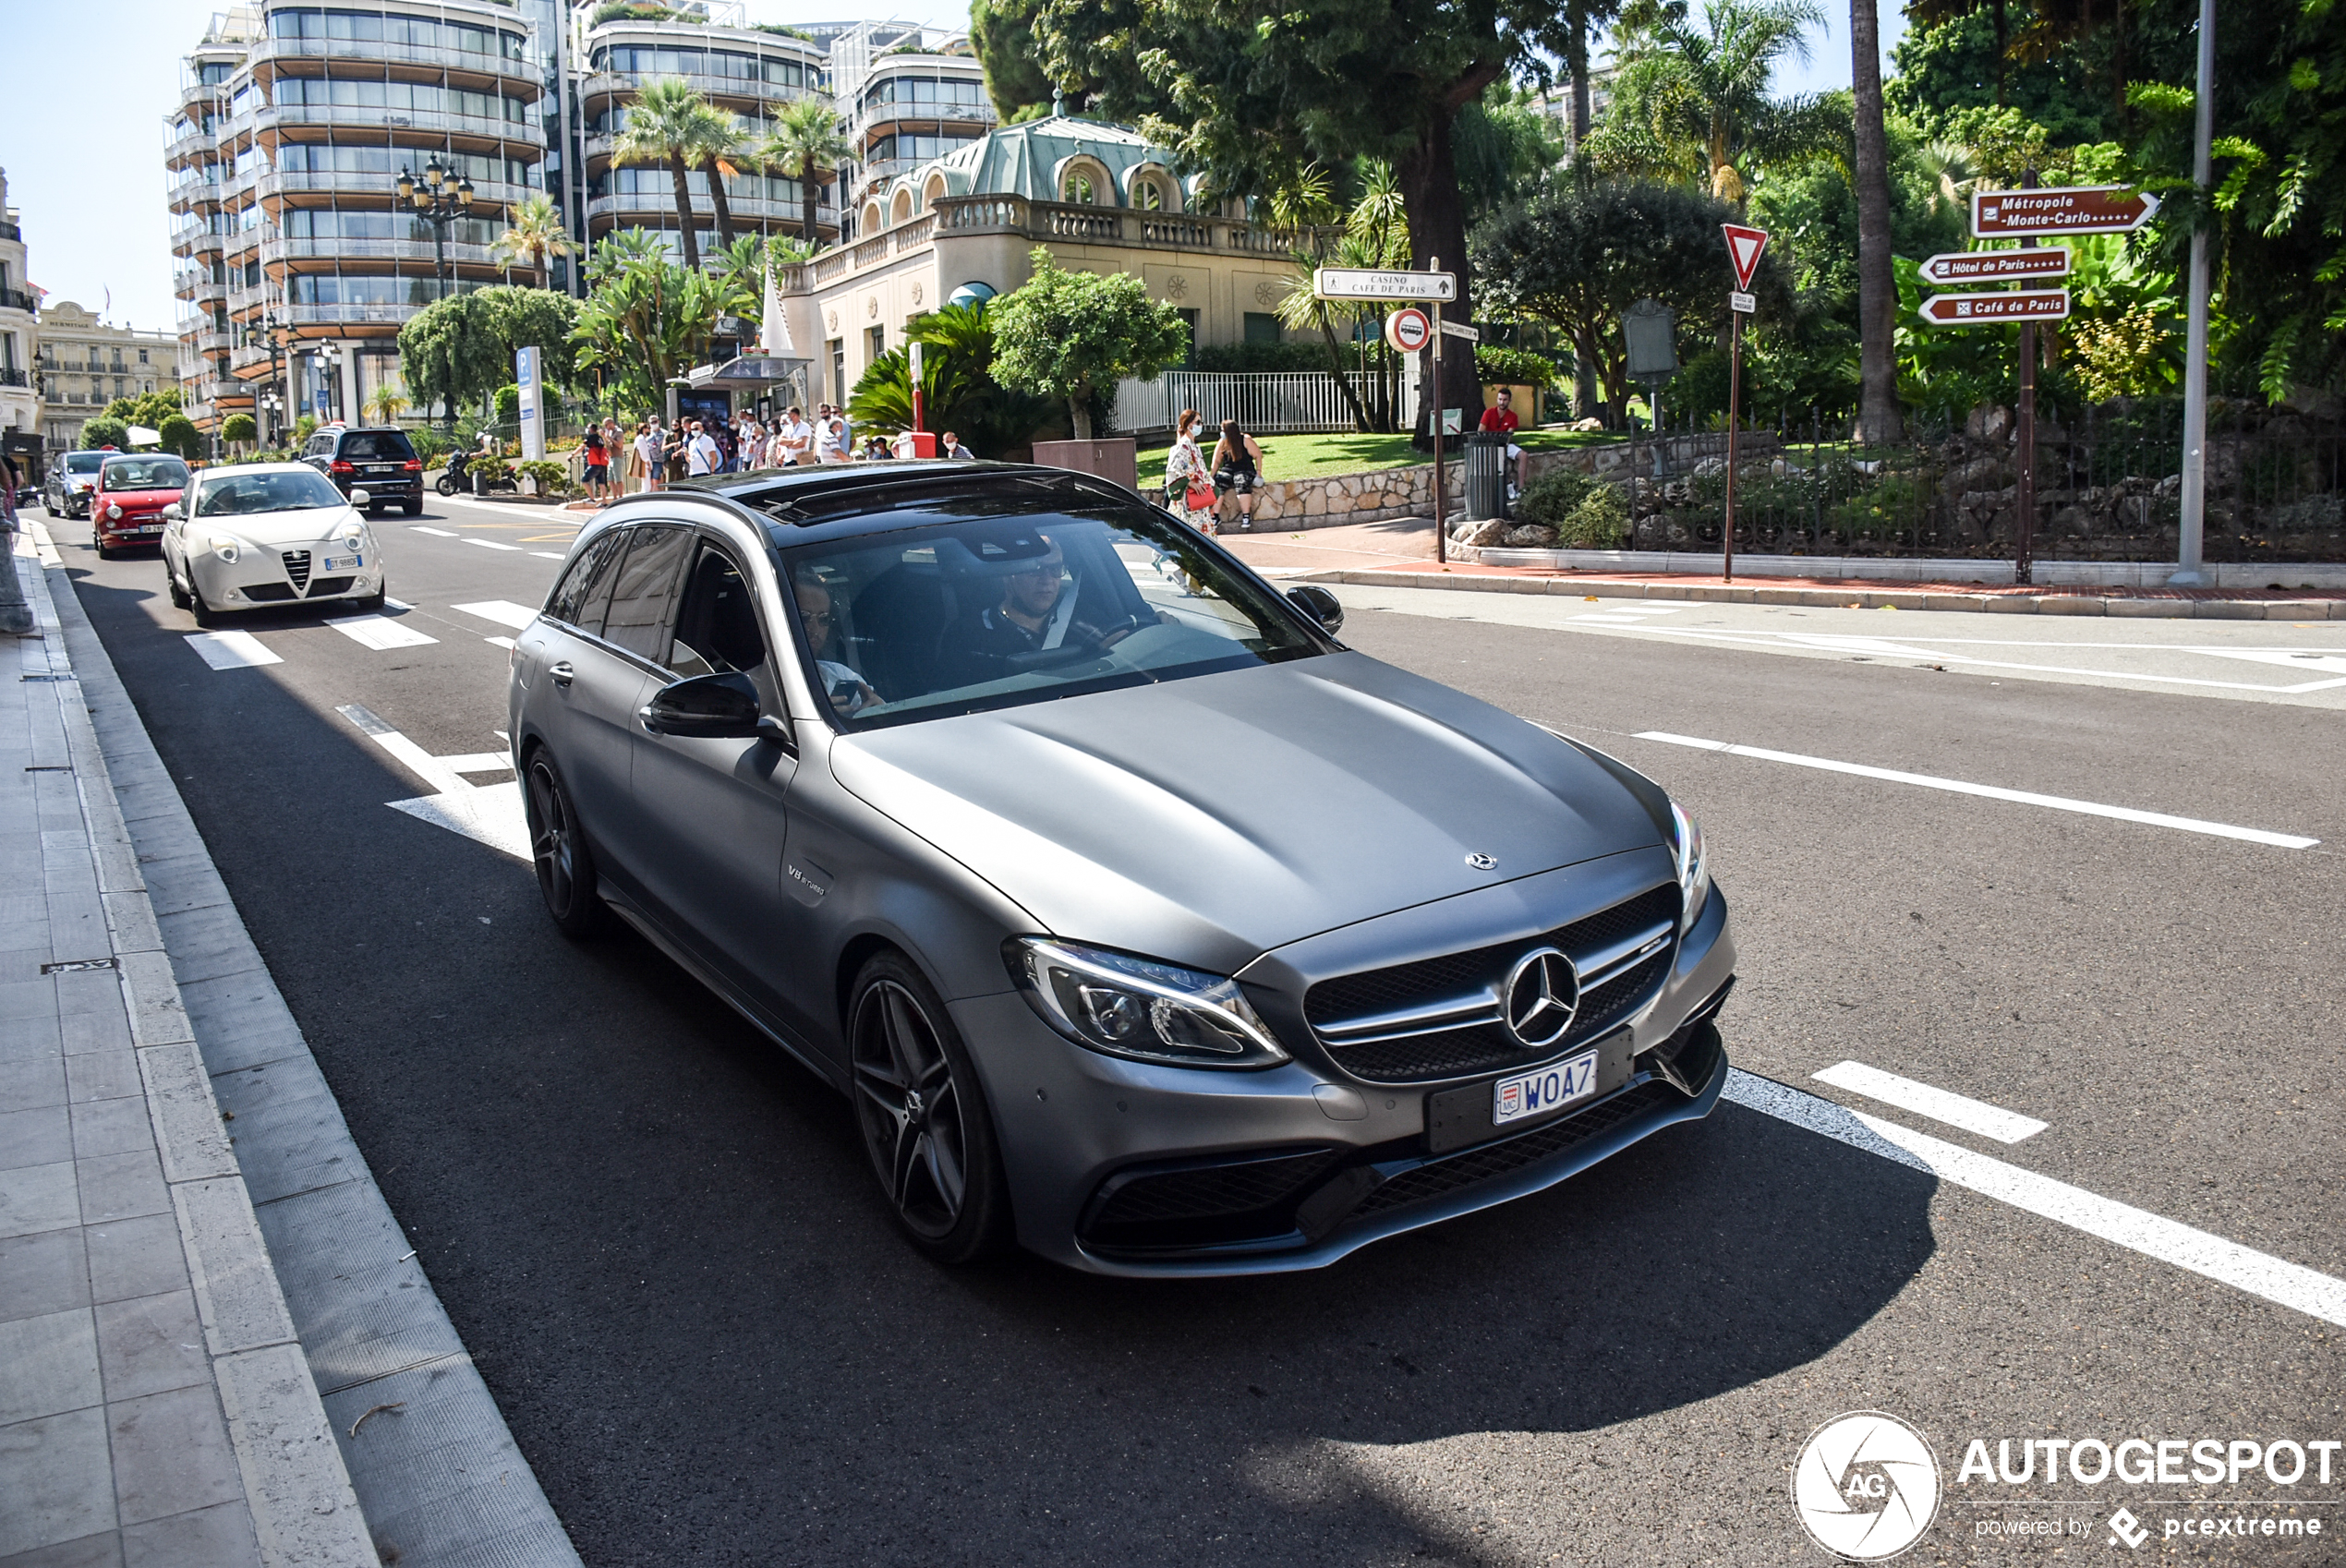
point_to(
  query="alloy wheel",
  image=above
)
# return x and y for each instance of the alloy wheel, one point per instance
(911, 1108)
(553, 844)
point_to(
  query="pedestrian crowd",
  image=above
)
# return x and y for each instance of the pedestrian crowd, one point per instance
(619, 460)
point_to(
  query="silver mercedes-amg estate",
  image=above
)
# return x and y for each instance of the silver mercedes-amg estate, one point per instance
(1138, 919)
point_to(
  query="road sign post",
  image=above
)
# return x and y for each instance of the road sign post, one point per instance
(1436, 423)
(1744, 248)
(2023, 492)
(1432, 288)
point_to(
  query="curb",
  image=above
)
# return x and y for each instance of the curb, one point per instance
(300, 1497)
(1846, 599)
(300, 1226)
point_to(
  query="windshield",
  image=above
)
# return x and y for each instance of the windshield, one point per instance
(988, 612)
(240, 495)
(144, 474)
(83, 462)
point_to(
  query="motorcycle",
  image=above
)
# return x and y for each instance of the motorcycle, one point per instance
(455, 478)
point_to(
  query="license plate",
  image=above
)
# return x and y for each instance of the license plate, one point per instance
(344, 563)
(386, 468)
(1537, 1093)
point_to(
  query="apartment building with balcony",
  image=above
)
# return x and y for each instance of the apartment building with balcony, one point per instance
(294, 125)
(749, 72)
(907, 96)
(19, 337)
(85, 365)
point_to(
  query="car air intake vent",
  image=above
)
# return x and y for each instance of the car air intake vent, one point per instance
(297, 567)
(1236, 1200)
(1437, 1178)
(1439, 1017)
(268, 593)
(326, 588)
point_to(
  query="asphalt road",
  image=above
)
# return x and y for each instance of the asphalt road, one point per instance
(660, 1242)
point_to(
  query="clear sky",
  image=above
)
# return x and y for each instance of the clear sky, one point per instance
(84, 153)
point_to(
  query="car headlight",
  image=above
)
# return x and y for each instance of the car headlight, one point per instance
(113, 511)
(1694, 866)
(1137, 1007)
(226, 549)
(352, 533)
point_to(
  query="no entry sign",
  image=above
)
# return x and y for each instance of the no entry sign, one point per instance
(1995, 309)
(2061, 209)
(1996, 266)
(1407, 329)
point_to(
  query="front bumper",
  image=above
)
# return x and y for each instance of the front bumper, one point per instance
(1120, 1167)
(286, 575)
(141, 528)
(381, 487)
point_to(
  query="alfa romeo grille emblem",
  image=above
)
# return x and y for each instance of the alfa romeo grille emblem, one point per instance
(1542, 994)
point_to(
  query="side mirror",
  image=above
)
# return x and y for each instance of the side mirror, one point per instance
(172, 513)
(360, 499)
(1320, 605)
(705, 707)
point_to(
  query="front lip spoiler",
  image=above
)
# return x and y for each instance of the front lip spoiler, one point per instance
(1250, 1258)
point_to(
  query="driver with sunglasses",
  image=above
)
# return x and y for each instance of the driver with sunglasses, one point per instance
(1033, 627)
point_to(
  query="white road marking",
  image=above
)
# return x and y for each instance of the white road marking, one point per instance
(478, 762)
(1938, 1105)
(2024, 797)
(435, 533)
(505, 642)
(390, 603)
(489, 544)
(487, 814)
(2259, 1273)
(546, 555)
(379, 631)
(503, 612)
(231, 650)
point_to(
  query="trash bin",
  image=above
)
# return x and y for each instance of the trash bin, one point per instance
(1486, 475)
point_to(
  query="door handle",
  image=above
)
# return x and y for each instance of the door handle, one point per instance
(563, 674)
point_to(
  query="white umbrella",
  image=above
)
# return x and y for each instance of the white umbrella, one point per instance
(141, 436)
(775, 332)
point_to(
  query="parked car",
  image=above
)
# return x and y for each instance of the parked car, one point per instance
(1137, 918)
(71, 477)
(264, 534)
(380, 459)
(126, 504)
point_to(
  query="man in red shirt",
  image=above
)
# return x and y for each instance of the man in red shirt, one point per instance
(1501, 420)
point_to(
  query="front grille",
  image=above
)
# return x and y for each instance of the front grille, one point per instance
(297, 567)
(1247, 1199)
(1479, 1043)
(1438, 1177)
(268, 593)
(326, 587)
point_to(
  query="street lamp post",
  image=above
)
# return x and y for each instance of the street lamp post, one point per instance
(439, 197)
(276, 332)
(273, 409)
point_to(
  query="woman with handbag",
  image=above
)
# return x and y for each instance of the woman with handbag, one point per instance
(1189, 485)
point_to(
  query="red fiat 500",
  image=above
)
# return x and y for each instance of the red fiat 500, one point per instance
(127, 506)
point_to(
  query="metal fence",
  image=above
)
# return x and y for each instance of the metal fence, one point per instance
(1281, 403)
(2107, 488)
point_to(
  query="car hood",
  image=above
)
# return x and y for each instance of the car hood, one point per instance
(306, 526)
(1209, 820)
(141, 498)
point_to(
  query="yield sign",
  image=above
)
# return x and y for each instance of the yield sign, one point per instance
(1744, 247)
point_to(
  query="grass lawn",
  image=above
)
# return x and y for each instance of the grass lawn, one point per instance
(1318, 457)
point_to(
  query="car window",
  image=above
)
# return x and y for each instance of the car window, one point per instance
(143, 473)
(996, 611)
(84, 462)
(573, 596)
(716, 622)
(644, 590)
(361, 446)
(239, 495)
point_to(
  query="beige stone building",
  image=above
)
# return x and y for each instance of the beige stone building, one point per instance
(86, 364)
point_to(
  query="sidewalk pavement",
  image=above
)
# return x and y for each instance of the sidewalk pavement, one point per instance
(1399, 553)
(155, 1403)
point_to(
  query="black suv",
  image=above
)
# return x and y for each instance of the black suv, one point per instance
(379, 461)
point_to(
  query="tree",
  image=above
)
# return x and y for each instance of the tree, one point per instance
(180, 437)
(804, 144)
(1583, 18)
(645, 318)
(1876, 283)
(238, 429)
(104, 431)
(715, 146)
(665, 124)
(958, 391)
(1244, 92)
(1074, 335)
(1504, 150)
(533, 236)
(1580, 257)
(386, 403)
(1691, 100)
(1002, 31)
(150, 409)
(459, 349)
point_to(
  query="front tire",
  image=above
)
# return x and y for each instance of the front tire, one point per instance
(558, 850)
(205, 616)
(923, 1117)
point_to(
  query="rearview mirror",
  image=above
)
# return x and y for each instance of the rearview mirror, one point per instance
(172, 513)
(1320, 605)
(705, 707)
(360, 499)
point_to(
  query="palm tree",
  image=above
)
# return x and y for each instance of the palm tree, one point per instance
(715, 146)
(1693, 96)
(533, 236)
(1877, 284)
(1582, 18)
(665, 126)
(804, 144)
(387, 402)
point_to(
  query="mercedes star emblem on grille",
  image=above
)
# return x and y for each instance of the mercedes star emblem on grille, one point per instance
(1542, 994)
(1481, 861)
